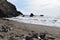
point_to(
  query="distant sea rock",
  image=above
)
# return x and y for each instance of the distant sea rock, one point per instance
(8, 10)
(31, 15)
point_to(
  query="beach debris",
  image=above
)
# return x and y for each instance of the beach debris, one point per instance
(1, 36)
(22, 36)
(33, 34)
(42, 35)
(12, 37)
(28, 38)
(39, 38)
(5, 28)
(17, 35)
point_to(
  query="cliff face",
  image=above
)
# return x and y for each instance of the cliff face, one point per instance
(7, 9)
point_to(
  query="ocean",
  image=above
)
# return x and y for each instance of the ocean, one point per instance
(38, 20)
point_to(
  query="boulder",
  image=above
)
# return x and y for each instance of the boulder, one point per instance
(31, 15)
(7, 9)
(41, 15)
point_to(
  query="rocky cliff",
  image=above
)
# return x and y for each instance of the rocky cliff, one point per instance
(7, 9)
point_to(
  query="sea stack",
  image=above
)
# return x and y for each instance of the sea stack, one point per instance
(8, 10)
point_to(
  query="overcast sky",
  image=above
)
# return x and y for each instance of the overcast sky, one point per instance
(46, 7)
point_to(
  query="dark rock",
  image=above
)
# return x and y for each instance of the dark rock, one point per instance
(12, 37)
(33, 34)
(1, 14)
(7, 9)
(23, 15)
(42, 35)
(5, 19)
(2, 36)
(5, 28)
(28, 38)
(31, 15)
(20, 13)
(22, 36)
(41, 15)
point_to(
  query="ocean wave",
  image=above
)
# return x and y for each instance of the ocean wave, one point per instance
(51, 21)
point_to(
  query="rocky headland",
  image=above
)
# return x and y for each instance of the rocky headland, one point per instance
(7, 9)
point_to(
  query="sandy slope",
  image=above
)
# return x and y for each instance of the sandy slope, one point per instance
(24, 28)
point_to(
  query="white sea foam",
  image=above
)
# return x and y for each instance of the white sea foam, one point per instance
(50, 21)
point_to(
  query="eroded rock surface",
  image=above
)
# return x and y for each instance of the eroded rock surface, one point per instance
(7, 9)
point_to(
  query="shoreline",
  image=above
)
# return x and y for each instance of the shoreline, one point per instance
(26, 28)
(36, 22)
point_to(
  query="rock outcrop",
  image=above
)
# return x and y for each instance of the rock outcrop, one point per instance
(31, 15)
(7, 9)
